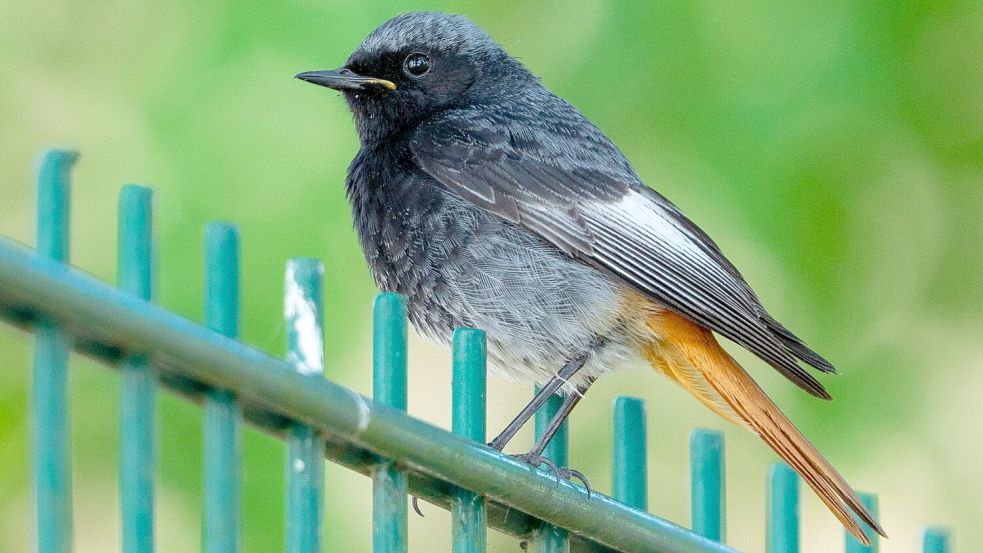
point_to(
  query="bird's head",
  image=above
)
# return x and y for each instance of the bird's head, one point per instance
(416, 65)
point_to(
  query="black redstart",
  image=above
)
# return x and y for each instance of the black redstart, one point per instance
(489, 202)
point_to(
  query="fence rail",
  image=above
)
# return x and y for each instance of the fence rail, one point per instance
(290, 398)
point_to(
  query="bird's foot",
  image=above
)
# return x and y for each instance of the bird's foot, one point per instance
(416, 506)
(564, 473)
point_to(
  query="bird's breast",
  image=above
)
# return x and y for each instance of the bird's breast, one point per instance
(460, 266)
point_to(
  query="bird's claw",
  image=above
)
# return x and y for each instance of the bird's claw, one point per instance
(416, 506)
(563, 473)
(571, 473)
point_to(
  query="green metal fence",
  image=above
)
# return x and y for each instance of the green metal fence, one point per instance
(154, 348)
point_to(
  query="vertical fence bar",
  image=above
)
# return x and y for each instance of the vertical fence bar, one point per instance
(707, 483)
(136, 475)
(783, 509)
(548, 538)
(51, 442)
(935, 540)
(469, 533)
(389, 388)
(852, 545)
(304, 315)
(630, 474)
(223, 417)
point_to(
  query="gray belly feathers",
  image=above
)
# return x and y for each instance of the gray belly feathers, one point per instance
(460, 266)
(539, 307)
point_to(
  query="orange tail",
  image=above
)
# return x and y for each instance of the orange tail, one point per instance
(689, 354)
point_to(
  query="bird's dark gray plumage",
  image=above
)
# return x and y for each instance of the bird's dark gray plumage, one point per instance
(490, 202)
(489, 133)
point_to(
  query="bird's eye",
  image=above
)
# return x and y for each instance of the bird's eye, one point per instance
(416, 65)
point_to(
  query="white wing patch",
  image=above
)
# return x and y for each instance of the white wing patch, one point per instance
(639, 212)
(636, 229)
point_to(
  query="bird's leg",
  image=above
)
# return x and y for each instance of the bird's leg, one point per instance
(559, 418)
(535, 456)
(565, 374)
(561, 378)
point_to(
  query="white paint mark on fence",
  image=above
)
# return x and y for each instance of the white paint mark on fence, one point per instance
(307, 346)
(362, 408)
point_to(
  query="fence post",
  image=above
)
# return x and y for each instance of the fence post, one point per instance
(469, 522)
(783, 509)
(304, 315)
(630, 473)
(936, 540)
(389, 388)
(852, 545)
(548, 538)
(139, 387)
(707, 483)
(223, 417)
(51, 441)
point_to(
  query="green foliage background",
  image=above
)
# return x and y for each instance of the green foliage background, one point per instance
(835, 151)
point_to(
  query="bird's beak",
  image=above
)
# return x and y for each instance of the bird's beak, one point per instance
(344, 79)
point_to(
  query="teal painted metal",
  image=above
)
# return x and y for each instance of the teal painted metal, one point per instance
(559, 447)
(707, 483)
(51, 441)
(935, 540)
(53, 196)
(783, 509)
(549, 538)
(223, 417)
(629, 474)
(852, 545)
(136, 241)
(358, 432)
(304, 315)
(389, 485)
(52, 444)
(222, 278)
(469, 516)
(137, 431)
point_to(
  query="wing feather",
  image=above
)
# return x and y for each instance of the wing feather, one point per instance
(573, 188)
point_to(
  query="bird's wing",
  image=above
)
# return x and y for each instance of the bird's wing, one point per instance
(574, 189)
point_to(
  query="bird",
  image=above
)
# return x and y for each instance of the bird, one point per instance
(490, 202)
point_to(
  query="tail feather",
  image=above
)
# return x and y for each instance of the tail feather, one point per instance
(682, 342)
(798, 347)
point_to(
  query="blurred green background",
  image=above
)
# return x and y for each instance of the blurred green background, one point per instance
(835, 152)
